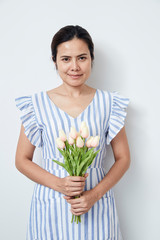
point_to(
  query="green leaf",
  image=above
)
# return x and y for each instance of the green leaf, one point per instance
(62, 152)
(66, 144)
(97, 152)
(85, 163)
(59, 163)
(64, 166)
(70, 161)
(92, 157)
(81, 165)
(87, 154)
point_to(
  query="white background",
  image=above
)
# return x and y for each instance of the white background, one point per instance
(127, 59)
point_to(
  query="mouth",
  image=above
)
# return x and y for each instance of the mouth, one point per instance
(75, 76)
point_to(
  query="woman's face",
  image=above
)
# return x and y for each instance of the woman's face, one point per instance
(73, 62)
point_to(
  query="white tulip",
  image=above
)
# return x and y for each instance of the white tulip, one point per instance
(85, 132)
(83, 124)
(71, 140)
(88, 142)
(62, 135)
(79, 142)
(95, 141)
(60, 143)
(73, 133)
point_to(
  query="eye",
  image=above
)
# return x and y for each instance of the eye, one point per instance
(65, 59)
(82, 58)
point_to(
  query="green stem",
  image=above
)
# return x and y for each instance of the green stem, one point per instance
(72, 218)
(76, 218)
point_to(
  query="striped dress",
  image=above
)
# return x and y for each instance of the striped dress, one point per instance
(50, 215)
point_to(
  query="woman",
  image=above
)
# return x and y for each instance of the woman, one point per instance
(42, 115)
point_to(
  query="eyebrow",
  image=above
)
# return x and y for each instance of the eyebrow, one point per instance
(77, 56)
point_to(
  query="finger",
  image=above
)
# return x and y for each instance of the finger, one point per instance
(77, 179)
(74, 201)
(78, 211)
(74, 194)
(68, 197)
(76, 185)
(77, 206)
(86, 175)
(78, 214)
(76, 188)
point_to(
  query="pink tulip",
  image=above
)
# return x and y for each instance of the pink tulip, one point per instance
(95, 141)
(79, 142)
(73, 133)
(60, 143)
(71, 140)
(85, 132)
(88, 142)
(62, 135)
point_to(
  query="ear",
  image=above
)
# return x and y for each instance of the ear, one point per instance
(54, 63)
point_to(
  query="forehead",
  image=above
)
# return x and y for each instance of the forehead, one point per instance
(72, 47)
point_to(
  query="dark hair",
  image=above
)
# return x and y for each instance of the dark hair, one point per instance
(68, 33)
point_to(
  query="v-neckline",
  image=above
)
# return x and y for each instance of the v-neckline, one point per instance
(79, 115)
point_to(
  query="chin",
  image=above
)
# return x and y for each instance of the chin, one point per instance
(75, 83)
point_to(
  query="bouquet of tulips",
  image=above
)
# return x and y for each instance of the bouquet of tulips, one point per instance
(78, 154)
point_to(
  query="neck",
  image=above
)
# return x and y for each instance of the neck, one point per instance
(73, 91)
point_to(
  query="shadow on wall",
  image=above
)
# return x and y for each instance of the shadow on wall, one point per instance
(108, 70)
(131, 189)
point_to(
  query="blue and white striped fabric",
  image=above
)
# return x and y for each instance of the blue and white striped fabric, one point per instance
(50, 215)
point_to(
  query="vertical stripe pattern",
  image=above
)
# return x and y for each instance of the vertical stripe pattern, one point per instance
(50, 215)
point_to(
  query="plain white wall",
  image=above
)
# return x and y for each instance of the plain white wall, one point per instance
(126, 37)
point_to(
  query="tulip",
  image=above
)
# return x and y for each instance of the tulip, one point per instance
(73, 133)
(62, 135)
(95, 141)
(83, 124)
(70, 140)
(60, 143)
(85, 132)
(88, 142)
(79, 142)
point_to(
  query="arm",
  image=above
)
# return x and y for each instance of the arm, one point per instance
(121, 153)
(24, 163)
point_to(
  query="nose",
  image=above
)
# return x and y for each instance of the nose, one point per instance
(75, 66)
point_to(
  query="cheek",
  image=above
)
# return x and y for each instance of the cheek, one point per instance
(87, 68)
(62, 68)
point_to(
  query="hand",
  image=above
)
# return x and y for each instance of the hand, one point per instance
(73, 185)
(82, 204)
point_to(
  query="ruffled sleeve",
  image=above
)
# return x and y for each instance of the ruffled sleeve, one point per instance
(118, 114)
(29, 120)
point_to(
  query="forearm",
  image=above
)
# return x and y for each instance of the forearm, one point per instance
(38, 175)
(112, 177)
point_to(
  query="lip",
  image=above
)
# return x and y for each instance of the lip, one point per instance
(75, 76)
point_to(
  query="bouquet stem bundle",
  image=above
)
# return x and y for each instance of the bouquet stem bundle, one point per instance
(78, 156)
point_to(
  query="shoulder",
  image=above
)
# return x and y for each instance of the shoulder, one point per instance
(118, 107)
(104, 94)
(113, 95)
(31, 94)
(29, 99)
(112, 100)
